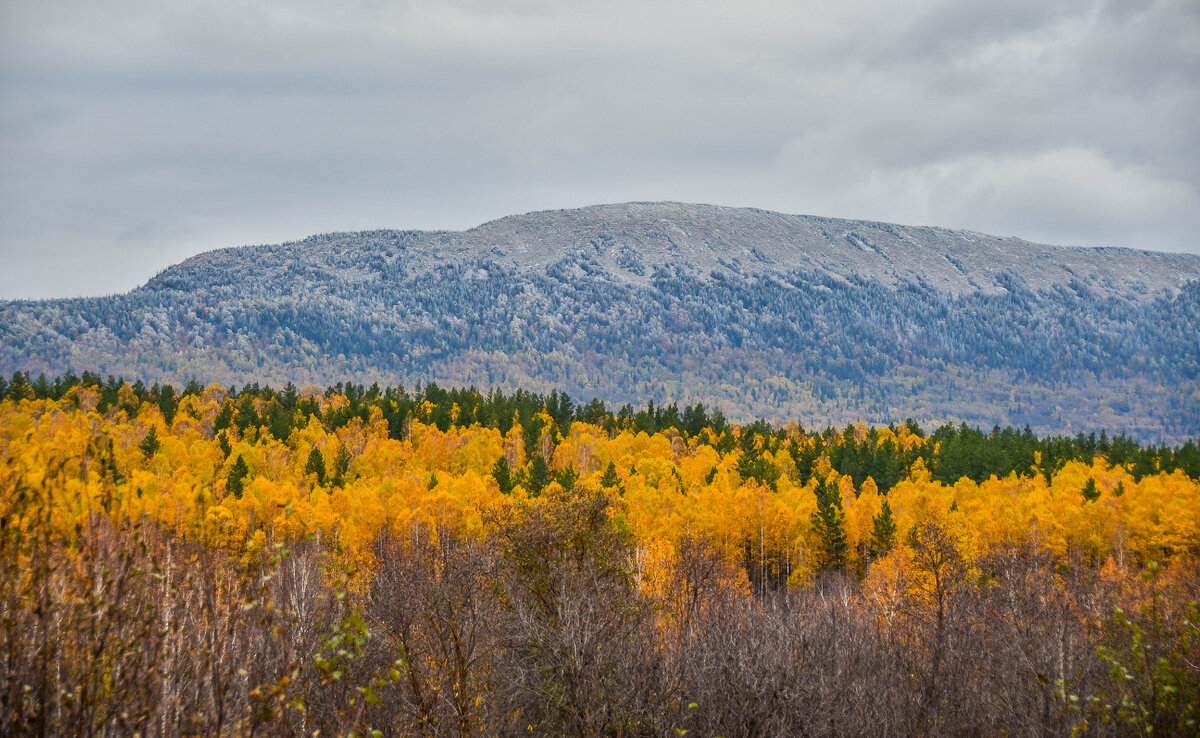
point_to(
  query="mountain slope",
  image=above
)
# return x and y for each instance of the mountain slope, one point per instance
(765, 314)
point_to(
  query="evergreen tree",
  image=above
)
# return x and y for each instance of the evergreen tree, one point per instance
(247, 416)
(281, 422)
(502, 473)
(566, 478)
(289, 396)
(235, 483)
(883, 534)
(830, 525)
(695, 419)
(224, 418)
(168, 403)
(341, 465)
(1089, 491)
(539, 475)
(150, 444)
(610, 478)
(751, 465)
(223, 442)
(316, 465)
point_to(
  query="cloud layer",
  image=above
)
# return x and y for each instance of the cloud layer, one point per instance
(134, 133)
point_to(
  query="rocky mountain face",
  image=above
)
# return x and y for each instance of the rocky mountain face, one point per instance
(763, 314)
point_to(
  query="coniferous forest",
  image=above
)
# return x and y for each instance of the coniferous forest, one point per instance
(380, 561)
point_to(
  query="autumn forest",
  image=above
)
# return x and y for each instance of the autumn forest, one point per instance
(381, 561)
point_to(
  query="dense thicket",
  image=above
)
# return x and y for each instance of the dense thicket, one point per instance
(445, 562)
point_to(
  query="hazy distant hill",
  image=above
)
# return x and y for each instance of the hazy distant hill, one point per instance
(764, 314)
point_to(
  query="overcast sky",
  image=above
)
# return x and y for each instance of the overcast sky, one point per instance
(134, 133)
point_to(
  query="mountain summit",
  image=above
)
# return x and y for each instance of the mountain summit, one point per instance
(780, 316)
(631, 240)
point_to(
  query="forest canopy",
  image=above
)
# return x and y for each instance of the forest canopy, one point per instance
(449, 561)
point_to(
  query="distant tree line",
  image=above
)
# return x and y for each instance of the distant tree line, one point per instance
(955, 451)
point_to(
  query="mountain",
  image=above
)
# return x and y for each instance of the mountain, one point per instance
(764, 314)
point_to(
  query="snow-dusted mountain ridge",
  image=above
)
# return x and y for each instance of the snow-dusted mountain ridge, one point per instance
(786, 317)
(629, 240)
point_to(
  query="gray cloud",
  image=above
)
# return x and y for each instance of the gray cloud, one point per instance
(134, 133)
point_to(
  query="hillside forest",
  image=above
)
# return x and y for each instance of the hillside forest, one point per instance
(801, 342)
(379, 561)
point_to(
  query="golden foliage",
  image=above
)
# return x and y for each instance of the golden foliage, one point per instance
(671, 489)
